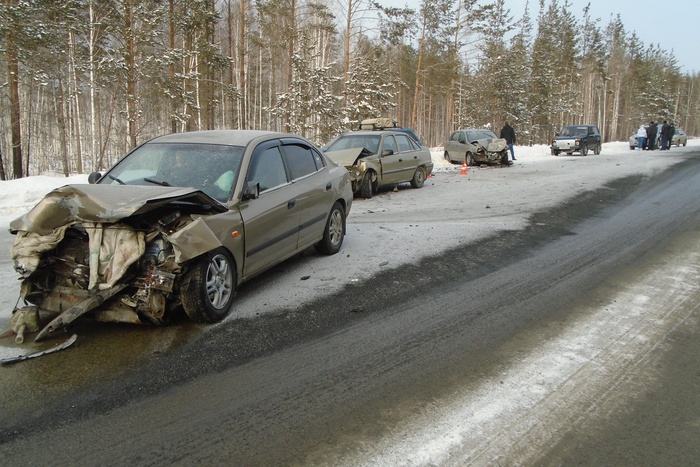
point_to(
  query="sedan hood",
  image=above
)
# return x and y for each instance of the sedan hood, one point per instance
(347, 157)
(492, 144)
(106, 203)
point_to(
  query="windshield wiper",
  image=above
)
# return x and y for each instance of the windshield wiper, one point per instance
(116, 179)
(157, 182)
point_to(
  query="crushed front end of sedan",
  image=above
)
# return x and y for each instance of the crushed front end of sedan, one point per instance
(88, 247)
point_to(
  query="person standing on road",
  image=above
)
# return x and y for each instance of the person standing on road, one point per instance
(641, 137)
(664, 133)
(669, 135)
(651, 136)
(508, 133)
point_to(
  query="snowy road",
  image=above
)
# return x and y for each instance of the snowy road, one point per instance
(486, 335)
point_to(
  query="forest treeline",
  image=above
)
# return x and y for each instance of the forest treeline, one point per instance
(88, 80)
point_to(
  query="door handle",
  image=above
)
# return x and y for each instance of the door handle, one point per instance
(329, 185)
(291, 203)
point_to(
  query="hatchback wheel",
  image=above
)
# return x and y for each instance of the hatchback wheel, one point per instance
(209, 286)
(469, 157)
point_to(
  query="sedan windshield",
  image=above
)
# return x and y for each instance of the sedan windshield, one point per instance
(212, 168)
(370, 142)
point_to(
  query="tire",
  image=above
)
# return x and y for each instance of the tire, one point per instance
(584, 150)
(555, 153)
(597, 149)
(209, 286)
(334, 231)
(366, 185)
(418, 178)
(469, 157)
(447, 157)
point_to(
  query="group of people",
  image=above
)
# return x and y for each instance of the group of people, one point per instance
(648, 137)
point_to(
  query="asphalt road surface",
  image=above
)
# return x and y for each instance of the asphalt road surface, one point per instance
(571, 341)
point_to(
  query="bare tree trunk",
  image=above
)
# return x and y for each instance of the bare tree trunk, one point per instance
(346, 61)
(130, 58)
(59, 106)
(171, 37)
(75, 98)
(416, 91)
(242, 65)
(15, 116)
(91, 48)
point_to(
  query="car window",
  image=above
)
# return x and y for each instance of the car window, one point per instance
(404, 143)
(300, 160)
(390, 144)
(459, 136)
(267, 169)
(472, 135)
(574, 131)
(488, 134)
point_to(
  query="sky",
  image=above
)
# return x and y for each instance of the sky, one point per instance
(671, 25)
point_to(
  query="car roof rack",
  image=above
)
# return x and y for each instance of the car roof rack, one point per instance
(378, 124)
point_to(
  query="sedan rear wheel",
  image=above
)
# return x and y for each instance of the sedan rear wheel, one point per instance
(334, 232)
(209, 286)
(418, 178)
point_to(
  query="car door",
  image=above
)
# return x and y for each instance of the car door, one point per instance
(271, 221)
(457, 145)
(410, 156)
(391, 161)
(311, 187)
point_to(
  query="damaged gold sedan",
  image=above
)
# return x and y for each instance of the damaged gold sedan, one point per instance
(179, 223)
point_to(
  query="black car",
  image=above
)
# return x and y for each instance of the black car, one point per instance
(577, 138)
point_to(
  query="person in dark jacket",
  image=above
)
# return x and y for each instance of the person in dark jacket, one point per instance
(664, 136)
(651, 136)
(508, 133)
(670, 130)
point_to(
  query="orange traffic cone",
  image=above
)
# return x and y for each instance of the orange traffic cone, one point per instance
(465, 168)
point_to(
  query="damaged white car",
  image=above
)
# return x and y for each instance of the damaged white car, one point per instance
(476, 147)
(179, 223)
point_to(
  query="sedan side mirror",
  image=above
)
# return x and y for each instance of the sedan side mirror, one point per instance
(387, 152)
(94, 177)
(249, 192)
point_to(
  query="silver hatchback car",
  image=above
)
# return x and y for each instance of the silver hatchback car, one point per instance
(476, 146)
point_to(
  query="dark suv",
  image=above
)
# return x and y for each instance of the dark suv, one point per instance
(577, 138)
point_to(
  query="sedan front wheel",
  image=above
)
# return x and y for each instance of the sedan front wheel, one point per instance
(208, 287)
